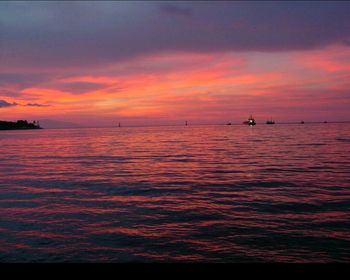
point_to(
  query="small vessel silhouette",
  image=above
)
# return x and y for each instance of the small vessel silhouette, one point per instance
(229, 123)
(270, 121)
(302, 122)
(250, 121)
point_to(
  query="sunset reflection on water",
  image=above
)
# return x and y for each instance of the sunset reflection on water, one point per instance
(196, 193)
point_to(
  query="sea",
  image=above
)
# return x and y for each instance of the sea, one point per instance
(216, 193)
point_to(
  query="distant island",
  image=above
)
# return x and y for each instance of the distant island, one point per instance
(21, 124)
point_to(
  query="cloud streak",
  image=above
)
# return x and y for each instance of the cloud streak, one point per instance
(4, 104)
(36, 105)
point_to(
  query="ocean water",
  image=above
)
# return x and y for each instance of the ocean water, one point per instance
(269, 193)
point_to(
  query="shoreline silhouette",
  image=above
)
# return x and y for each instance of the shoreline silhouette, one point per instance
(20, 124)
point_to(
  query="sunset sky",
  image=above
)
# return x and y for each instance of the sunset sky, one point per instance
(141, 63)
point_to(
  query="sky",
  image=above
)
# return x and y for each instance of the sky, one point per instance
(163, 62)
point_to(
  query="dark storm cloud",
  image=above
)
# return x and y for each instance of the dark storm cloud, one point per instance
(72, 34)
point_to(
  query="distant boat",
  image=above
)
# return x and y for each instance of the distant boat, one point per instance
(186, 123)
(270, 122)
(325, 122)
(229, 123)
(250, 121)
(302, 122)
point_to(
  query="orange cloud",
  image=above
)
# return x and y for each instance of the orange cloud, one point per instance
(187, 85)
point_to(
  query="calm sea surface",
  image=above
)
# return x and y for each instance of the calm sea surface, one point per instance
(196, 193)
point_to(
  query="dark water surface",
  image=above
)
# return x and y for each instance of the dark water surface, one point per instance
(196, 193)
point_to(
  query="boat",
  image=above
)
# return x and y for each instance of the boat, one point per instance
(302, 122)
(229, 123)
(270, 122)
(250, 121)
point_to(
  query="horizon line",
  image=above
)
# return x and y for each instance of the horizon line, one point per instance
(197, 124)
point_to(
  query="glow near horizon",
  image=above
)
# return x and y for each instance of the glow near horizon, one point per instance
(172, 86)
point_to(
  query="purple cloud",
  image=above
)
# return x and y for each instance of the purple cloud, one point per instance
(80, 87)
(73, 34)
(9, 93)
(4, 104)
(36, 105)
(176, 10)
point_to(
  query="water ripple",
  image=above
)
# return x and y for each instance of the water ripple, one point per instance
(181, 194)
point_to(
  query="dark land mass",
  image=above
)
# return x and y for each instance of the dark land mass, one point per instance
(19, 125)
